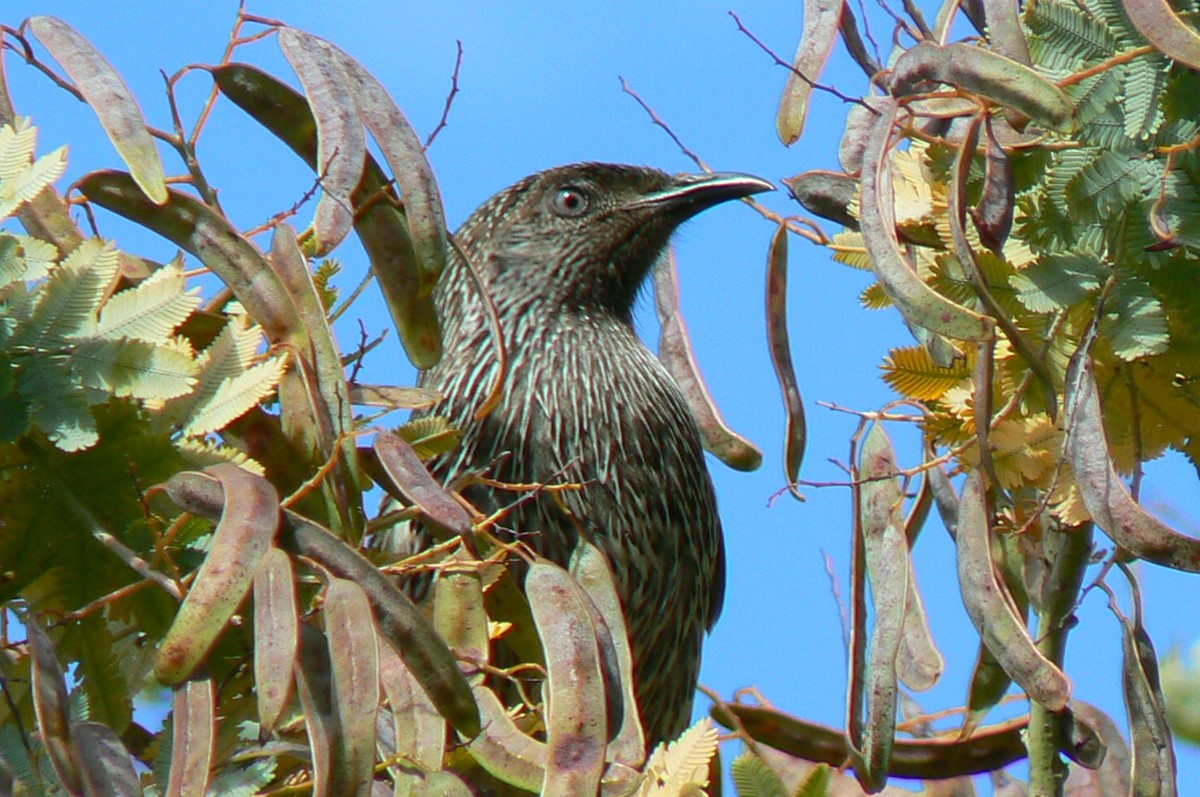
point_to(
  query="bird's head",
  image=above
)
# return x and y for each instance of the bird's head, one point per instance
(583, 238)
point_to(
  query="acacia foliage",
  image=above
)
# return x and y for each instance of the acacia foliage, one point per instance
(1026, 200)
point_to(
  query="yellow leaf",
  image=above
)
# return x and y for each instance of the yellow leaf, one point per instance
(911, 372)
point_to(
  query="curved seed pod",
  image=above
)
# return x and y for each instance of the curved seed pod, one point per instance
(105, 764)
(826, 193)
(405, 153)
(109, 96)
(276, 635)
(341, 140)
(591, 570)
(1165, 29)
(796, 433)
(944, 498)
(885, 551)
(1100, 486)
(326, 419)
(354, 664)
(401, 622)
(822, 18)
(447, 784)
(675, 351)
(193, 737)
(918, 303)
(993, 216)
(918, 663)
(248, 524)
(610, 669)
(575, 694)
(314, 686)
(459, 615)
(989, 682)
(854, 139)
(1154, 766)
(420, 730)
(409, 474)
(505, 750)
(200, 230)
(1004, 30)
(50, 705)
(989, 74)
(379, 220)
(518, 759)
(990, 747)
(1112, 776)
(991, 610)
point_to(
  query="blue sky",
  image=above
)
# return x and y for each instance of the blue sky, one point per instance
(539, 87)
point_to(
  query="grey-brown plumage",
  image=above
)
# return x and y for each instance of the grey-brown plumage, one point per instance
(563, 254)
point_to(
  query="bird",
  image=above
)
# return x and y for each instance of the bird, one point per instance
(563, 256)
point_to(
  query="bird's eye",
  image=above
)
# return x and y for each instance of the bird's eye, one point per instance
(569, 202)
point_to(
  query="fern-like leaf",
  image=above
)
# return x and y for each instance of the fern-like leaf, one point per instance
(753, 778)
(1110, 183)
(681, 767)
(17, 144)
(1135, 324)
(134, 368)
(150, 311)
(29, 181)
(1058, 281)
(1144, 81)
(68, 302)
(431, 435)
(873, 297)
(911, 372)
(1067, 35)
(235, 397)
(849, 248)
(230, 354)
(203, 452)
(56, 404)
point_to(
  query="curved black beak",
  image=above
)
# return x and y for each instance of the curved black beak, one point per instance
(688, 194)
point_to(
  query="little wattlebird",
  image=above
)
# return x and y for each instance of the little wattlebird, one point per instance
(562, 255)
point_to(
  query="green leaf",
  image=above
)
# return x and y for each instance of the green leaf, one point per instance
(230, 353)
(22, 178)
(108, 692)
(817, 784)
(1135, 324)
(236, 396)
(67, 302)
(150, 311)
(753, 778)
(1145, 79)
(1107, 185)
(134, 368)
(56, 404)
(243, 781)
(1064, 37)
(1058, 281)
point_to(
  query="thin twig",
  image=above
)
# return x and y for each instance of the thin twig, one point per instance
(656, 119)
(449, 97)
(787, 65)
(866, 26)
(793, 223)
(901, 22)
(26, 52)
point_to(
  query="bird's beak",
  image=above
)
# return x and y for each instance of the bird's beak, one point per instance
(688, 194)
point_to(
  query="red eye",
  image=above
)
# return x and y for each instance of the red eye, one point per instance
(569, 202)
